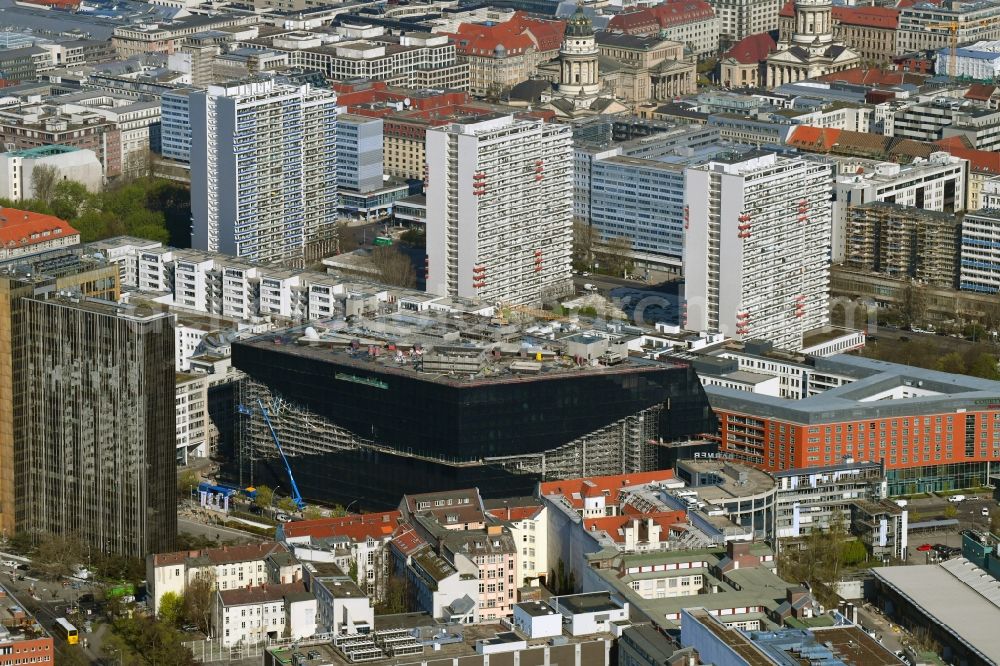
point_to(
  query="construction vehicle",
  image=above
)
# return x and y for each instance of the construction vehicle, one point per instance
(952, 28)
(296, 495)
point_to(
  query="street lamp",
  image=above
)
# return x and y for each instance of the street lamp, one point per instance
(347, 509)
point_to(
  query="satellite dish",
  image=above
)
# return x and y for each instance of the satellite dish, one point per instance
(407, 102)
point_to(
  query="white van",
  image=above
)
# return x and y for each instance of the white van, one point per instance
(955, 499)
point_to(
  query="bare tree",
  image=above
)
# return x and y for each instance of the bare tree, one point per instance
(198, 600)
(347, 240)
(393, 267)
(583, 246)
(44, 179)
(616, 255)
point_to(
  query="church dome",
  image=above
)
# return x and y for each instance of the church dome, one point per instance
(579, 24)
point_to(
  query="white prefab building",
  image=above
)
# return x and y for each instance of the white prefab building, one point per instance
(499, 210)
(591, 612)
(17, 169)
(757, 247)
(537, 619)
(342, 608)
(263, 168)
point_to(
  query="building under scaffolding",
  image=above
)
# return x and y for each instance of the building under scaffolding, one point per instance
(408, 404)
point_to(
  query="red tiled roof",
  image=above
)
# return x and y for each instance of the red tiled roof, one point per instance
(872, 17)
(518, 35)
(813, 138)
(613, 525)
(356, 527)
(665, 15)
(903, 4)
(980, 91)
(407, 541)
(515, 513)
(864, 76)
(575, 489)
(22, 228)
(979, 160)
(752, 49)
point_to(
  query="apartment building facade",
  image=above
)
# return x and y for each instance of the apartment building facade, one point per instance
(741, 18)
(257, 615)
(263, 169)
(756, 261)
(228, 568)
(499, 209)
(192, 417)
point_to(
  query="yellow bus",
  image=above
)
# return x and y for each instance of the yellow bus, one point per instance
(67, 631)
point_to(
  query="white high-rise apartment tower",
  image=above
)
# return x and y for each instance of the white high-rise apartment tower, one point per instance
(500, 209)
(263, 168)
(757, 247)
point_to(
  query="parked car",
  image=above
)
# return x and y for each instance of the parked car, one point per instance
(985, 511)
(925, 547)
(955, 499)
(283, 518)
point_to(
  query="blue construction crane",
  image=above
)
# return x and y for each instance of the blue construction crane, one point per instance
(296, 495)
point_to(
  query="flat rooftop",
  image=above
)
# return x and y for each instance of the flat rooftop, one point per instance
(444, 351)
(326, 654)
(957, 596)
(593, 602)
(732, 480)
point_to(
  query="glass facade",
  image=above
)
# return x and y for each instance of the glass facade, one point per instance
(412, 431)
(932, 478)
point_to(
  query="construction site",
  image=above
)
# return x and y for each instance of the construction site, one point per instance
(904, 243)
(403, 402)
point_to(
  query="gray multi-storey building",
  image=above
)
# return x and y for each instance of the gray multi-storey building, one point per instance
(811, 498)
(95, 399)
(263, 169)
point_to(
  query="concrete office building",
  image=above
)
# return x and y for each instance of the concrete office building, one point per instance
(361, 188)
(263, 169)
(980, 252)
(757, 247)
(635, 189)
(175, 124)
(97, 424)
(811, 498)
(499, 210)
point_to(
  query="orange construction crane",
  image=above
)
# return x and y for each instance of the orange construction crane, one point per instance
(952, 28)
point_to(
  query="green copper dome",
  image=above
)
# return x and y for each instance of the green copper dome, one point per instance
(579, 24)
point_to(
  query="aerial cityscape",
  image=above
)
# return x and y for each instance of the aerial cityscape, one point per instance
(500, 332)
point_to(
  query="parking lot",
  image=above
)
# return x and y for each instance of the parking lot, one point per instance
(968, 514)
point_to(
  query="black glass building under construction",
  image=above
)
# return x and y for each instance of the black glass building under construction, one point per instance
(367, 420)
